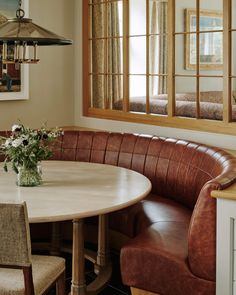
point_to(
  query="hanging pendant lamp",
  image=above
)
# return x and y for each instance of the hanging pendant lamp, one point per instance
(19, 36)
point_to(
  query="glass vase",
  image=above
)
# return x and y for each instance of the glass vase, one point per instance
(29, 176)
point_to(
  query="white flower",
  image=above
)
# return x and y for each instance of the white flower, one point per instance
(7, 142)
(15, 127)
(17, 142)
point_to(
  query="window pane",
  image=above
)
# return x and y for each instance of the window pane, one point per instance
(158, 54)
(211, 53)
(211, 98)
(158, 94)
(137, 55)
(183, 16)
(137, 93)
(211, 15)
(158, 13)
(234, 53)
(106, 56)
(185, 97)
(185, 54)
(98, 56)
(115, 56)
(101, 15)
(233, 99)
(106, 91)
(115, 92)
(97, 83)
(137, 20)
(233, 14)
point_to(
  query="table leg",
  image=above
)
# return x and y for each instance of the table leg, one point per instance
(103, 267)
(103, 256)
(78, 286)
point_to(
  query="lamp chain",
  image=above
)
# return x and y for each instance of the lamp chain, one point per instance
(20, 12)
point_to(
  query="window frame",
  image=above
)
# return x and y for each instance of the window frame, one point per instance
(226, 126)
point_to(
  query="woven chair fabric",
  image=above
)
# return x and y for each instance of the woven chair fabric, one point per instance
(15, 246)
(46, 269)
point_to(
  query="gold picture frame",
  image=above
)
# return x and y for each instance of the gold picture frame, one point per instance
(210, 39)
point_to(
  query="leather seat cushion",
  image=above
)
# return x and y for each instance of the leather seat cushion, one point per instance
(162, 250)
(135, 219)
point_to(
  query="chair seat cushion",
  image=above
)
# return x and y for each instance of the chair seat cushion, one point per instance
(46, 269)
(133, 220)
(156, 260)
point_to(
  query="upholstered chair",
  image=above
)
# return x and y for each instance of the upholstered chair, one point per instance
(21, 272)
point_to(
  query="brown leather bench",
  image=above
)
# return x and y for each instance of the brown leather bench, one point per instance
(172, 232)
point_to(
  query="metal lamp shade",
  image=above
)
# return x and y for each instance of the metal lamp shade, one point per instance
(23, 30)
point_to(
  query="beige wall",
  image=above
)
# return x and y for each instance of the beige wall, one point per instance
(51, 83)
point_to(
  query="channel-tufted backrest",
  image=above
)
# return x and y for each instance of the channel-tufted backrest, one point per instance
(184, 171)
(177, 169)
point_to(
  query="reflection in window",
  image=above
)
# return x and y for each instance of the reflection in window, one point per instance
(211, 98)
(128, 65)
(106, 29)
(233, 98)
(158, 47)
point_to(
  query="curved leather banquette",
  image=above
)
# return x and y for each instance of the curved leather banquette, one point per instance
(172, 246)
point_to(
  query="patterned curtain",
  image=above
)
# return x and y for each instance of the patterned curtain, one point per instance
(158, 46)
(106, 54)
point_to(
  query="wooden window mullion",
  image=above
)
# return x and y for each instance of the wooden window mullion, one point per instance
(86, 58)
(227, 58)
(106, 99)
(126, 55)
(171, 59)
(198, 111)
(147, 59)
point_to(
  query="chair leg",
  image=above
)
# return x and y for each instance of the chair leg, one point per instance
(28, 280)
(60, 284)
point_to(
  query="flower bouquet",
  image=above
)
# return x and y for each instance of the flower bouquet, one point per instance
(25, 148)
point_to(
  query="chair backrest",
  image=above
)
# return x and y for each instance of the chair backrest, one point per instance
(15, 246)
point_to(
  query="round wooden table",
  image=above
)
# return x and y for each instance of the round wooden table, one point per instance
(73, 191)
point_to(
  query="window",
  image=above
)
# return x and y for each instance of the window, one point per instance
(161, 62)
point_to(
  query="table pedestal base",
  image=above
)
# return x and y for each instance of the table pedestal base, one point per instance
(102, 266)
